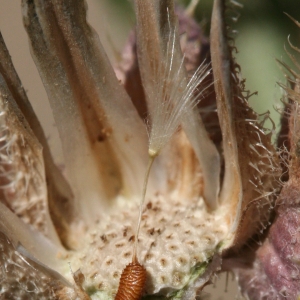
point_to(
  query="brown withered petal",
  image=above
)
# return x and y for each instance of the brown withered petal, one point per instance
(23, 185)
(251, 164)
(59, 192)
(97, 123)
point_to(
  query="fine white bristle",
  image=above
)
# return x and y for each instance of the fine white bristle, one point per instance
(173, 99)
(171, 104)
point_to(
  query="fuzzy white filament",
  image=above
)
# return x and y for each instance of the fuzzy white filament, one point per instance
(173, 97)
(174, 100)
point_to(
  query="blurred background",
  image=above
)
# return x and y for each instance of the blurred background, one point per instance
(262, 32)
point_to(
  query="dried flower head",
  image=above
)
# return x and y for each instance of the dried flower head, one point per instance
(214, 171)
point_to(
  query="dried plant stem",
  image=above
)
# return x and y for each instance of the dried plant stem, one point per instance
(146, 178)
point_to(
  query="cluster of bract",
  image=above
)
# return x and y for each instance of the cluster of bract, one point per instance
(169, 172)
